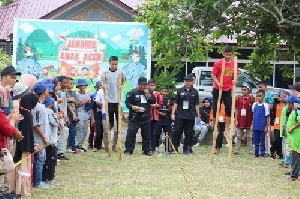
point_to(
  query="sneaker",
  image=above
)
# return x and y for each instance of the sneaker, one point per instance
(162, 145)
(62, 157)
(52, 182)
(197, 144)
(69, 150)
(90, 148)
(148, 153)
(186, 152)
(83, 149)
(78, 150)
(127, 153)
(191, 151)
(42, 185)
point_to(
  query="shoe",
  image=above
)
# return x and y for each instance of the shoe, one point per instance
(171, 152)
(95, 150)
(127, 153)
(186, 152)
(90, 148)
(288, 173)
(148, 153)
(197, 144)
(62, 157)
(52, 182)
(114, 148)
(11, 196)
(162, 145)
(83, 149)
(42, 185)
(191, 151)
(78, 150)
(266, 155)
(69, 150)
(155, 152)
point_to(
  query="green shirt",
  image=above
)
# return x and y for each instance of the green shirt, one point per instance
(283, 119)
(294, 136)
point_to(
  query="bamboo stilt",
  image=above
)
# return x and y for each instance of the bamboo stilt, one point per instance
(120, 79)
(215, 133)
(232, 113)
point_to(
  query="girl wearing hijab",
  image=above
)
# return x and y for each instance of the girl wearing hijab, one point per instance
(22, 184)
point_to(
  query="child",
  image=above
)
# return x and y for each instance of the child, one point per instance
(260, 123)
(244, 117)
(201, 128)
(41, 132)
(154, 114)
(293, 135)
(276, 146)
(96, 122)
(51, 150)
(221, 127)
(269, 99)
(83, 115)
(164, 122)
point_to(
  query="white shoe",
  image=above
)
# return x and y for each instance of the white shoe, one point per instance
(161, 145)
(70, 151)
(197, 144)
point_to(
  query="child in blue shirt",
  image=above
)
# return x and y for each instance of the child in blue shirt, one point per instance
(260, 123)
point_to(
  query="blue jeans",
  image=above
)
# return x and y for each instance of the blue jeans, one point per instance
(286, 151)
(153, 134)
(259, 142)
(38, 163)
(72, 133)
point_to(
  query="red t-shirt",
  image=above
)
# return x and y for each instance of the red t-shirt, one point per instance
(227, 76)
(154, 111)
(244, 119)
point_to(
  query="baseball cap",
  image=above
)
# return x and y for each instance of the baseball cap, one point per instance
(9, 70)
(142, 81)
(39, 87)
(292, 99)
(188, 77)
(98, 84)
(19, 90)
(48, 101)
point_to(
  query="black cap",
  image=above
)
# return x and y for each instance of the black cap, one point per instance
(142, 81)
(188, 77)
(9, 70)
(295, 87)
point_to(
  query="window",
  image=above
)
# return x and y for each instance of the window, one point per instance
(205, 79)
(244, 53)
(11, 48)
(95, 15)
(3, 46)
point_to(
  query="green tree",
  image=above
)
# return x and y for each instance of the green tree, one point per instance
(143, 59)
(5, 60)
(189, 29)
(5, 2)
(33, 50)
(130, 51)
(20, 51)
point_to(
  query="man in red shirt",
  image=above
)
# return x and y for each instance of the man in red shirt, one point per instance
(243, 117)
(226, 86)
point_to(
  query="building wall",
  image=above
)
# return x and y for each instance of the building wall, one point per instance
(85, 15)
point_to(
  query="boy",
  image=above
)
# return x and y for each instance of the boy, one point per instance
(293, 135)
(72, 114)
(269, 99)
(95, 142)
(243, 118)
(154, 114)
(226, 86)
(201, 128)
(51, 150)
(64, 109)
(276, 146)
(41, 133)
(83, 116)
(260, 123)
(164, 122)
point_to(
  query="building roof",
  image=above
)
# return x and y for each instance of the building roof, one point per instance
(30, 9)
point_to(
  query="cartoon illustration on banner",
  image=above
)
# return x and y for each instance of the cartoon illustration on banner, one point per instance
(48, 48)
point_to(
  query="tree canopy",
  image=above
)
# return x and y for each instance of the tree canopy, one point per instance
(5, 2)
(190, 28)
(5, 60)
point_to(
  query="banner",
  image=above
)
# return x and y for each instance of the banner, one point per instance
(81, 49)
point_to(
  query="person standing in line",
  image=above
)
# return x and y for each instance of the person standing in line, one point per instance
(226, 87)
(138, 102)
(113, 89)
(243, 118)
(186, 108)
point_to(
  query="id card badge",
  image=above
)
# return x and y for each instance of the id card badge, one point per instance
(185, 104)
(221, 118)
(143, 99)
(276, 120)
(243, 112)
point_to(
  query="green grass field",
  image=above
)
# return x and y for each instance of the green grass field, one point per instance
(94, 175)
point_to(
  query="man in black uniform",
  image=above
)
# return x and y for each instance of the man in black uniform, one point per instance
(138, 102)
(186, 107)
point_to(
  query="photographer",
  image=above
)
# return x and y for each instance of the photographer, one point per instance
(138, 102)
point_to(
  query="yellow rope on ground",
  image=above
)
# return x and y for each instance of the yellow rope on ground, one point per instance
(182, 170)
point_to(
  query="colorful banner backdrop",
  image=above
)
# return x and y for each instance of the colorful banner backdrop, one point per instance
(81, 49)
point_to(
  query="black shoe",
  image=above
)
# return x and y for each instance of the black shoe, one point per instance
(288, 173)
(11, 196)
(191, 151)
(148, 153)
(62, 157)
(127, 153)
(186, 152)
(81, 148)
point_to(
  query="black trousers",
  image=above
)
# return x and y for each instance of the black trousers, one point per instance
(99, 133)
(276, 144)
(112, 111)
(50, 163)
(188, 131)
(221, 128)
(133, 127)
(91, 136)
(161, 128)
(226, 98)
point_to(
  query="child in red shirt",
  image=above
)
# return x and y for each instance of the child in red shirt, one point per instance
(226, 86)
(244, 117)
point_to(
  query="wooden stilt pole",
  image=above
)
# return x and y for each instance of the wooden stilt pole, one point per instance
(232, 113)
(215, 133)
(108, 130)
(120, 79)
